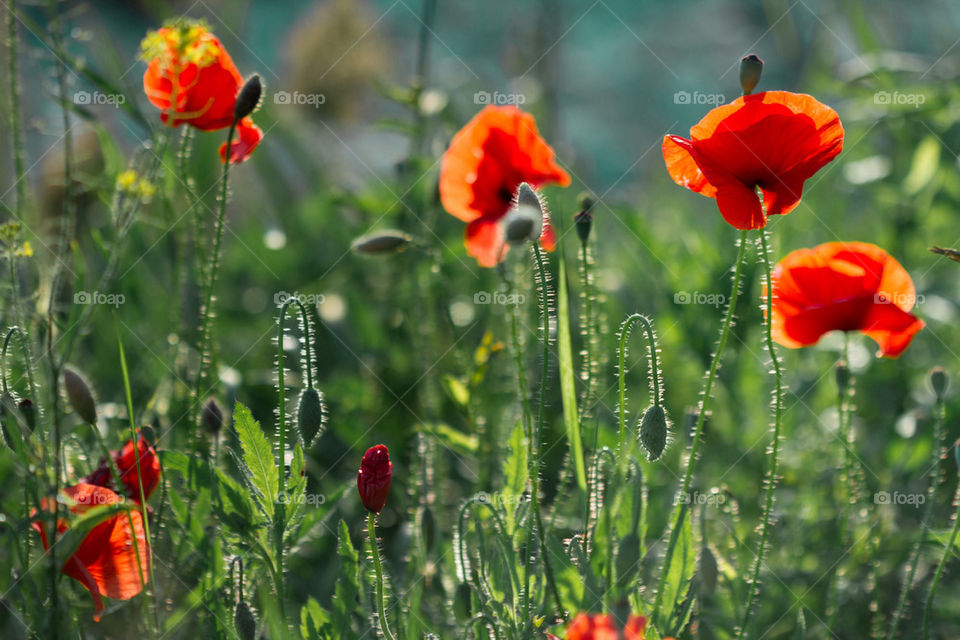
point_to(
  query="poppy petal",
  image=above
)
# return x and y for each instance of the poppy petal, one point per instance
(248, 137)
(678, 156)
(484, 241)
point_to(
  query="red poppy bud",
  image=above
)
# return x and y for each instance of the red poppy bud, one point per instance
(751, 67)
(373, 479)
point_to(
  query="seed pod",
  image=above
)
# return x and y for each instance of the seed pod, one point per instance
(212, 417)
(310, 416)
(462, 605)
(751, 67)
(248, 98)
(653, 431)
(940, 382)
(80, 396)
(709, 571)
(384, 242)
(244, 621)
(29, 412)
(628, 560)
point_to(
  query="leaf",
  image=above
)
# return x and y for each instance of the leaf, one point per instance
(457, 391)
(565, 574)
(456, 441)
(261, 467)
(679, 574)
(315, 622)
(348, 584)
(515, 473)
(568, 390)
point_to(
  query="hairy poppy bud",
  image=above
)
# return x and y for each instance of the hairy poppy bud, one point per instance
(653, 431)
(940, 381)
(310, 415)
(29, 412)
(80, 396)
(751, 67)
(373, 479)
(244, 621)
(842, 373)
(212, 417)
(628, 560)
(428, 527)
(248, 98)
(584, 219)
(462, 601)
(524, 222)
(381, 243)
(708, 570)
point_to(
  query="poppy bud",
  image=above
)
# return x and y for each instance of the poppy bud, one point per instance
(709, 571)
(524, 221)
(248, 98)
(653, 431)
(842, 374)
(428, 527)
(244, 621)
(29, 412)
(381, 243)
(584, 219)
(628, 560)
(940, 381)
(212, 417)
(373, 479)
(462, 601)
(80, 396)
(953, 254)
(751, 67)
(310, 415)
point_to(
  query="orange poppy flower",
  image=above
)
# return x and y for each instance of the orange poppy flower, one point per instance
(773, 141)
(191, 78)
(485, 163)
(845, 286)
(107, 561)
(602, 627)
(126, 463)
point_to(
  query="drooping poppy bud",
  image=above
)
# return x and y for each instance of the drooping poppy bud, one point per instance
(384, 242)
(708, 570)
(212, 417)
(653, 431)
(524, 221)
(248, 99)
(29, 412)
(310, 415)
(80, 396)
(244, 621)
(940, 382)
(373, 479)
(751, 67)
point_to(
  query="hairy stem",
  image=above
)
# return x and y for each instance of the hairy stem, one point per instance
(378, 568)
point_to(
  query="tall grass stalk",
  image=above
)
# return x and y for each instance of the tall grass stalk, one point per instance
(948, 550)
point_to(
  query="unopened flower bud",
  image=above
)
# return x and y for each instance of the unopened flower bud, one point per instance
(384, 242)
(628, 560)
(80, 396)
(428, 527)
(374, 477)
(29, 412)
(653, 431)
(708, 570)
(524, 222)
(462, 605)
(212, 417)
(310, 416)
(940, 382)
(751, 67)
(248, 98)
(842, 373)
(244, 621)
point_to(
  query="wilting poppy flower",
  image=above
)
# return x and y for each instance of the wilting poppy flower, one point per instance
(773, 141)
(602, 627)
(846, 286)
(126, 463)
(485, 163)
(373, 479)
(106, 562)
(191, 78)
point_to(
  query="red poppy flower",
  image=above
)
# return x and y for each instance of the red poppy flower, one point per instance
(846, 286)
(602, 627)
(126, 463)
(107, 561)
(773, 141)
(485, 163)
(373, 479)
(191, 78)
